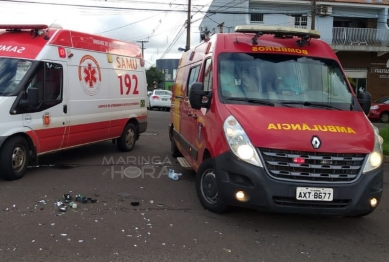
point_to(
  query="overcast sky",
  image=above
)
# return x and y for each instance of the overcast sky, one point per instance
(159, 22)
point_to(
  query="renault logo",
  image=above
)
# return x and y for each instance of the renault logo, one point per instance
(315, 142)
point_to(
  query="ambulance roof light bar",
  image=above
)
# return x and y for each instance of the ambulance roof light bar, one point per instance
(16, 27)
(279, 31)
(35, 29)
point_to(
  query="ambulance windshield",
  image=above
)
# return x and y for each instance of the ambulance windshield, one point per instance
(296, 81)
(11, 73)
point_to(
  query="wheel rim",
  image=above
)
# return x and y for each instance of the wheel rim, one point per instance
(385, 118)
(130, 138)
(209, 187)
(18, 158)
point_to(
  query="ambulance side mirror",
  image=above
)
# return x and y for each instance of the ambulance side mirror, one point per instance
(32, 98)
(364, 99)
(199, 98)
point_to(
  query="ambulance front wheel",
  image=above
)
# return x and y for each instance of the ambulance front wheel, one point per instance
(14, 157)
(207, 190)
(126, 142)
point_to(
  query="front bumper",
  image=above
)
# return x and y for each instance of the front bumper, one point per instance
(267, 193)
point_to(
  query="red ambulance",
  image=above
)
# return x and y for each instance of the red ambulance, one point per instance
(60, 89)
(268, 120)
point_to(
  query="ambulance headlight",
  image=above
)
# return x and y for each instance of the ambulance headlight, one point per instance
(239, 142)
(376, 157)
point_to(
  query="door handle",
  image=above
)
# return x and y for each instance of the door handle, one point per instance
(189, 114)
(65, 109)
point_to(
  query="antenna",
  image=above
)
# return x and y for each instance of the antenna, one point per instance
(47, 37)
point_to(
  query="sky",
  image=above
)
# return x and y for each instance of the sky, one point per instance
(159, 24)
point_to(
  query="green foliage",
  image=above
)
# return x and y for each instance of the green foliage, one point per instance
(153, 74)
(384, 132)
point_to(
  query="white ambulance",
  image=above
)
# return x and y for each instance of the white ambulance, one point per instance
(60, 89)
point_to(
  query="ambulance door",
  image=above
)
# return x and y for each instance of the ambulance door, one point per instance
(187, 120)
(196, 120)
(48, 120)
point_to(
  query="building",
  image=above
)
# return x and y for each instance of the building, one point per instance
(168, 68)
(357, 30)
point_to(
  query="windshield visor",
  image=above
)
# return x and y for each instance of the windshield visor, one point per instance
(283, 80)
(11, 73)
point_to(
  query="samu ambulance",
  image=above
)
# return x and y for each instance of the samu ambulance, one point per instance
(268, 120)
(61, 89)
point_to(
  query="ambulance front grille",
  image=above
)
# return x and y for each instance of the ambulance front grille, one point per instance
(312, 166)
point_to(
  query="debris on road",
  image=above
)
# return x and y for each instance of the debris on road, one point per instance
(174, 176)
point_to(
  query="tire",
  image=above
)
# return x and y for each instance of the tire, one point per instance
(126, 142)
(174, 149)
(206, 187)
(384, 117)
(14, 158)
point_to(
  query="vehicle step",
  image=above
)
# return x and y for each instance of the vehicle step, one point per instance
(185, 164)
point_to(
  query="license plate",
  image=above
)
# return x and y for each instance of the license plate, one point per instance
(164, 99)
(314, 193)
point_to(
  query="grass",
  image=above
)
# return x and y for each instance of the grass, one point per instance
(384, 132)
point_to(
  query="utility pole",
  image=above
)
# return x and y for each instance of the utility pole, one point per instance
(187, 47)
(143, 55)
(313, 14)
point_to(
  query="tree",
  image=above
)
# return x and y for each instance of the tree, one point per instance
(153, 74)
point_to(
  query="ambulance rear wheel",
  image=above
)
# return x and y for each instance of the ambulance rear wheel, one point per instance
(207, 189)
(126, 142)
(14, 157)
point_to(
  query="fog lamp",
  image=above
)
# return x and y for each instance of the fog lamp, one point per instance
(373, 202)
(241, 196)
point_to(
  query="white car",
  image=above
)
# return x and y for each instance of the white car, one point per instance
(160, 99)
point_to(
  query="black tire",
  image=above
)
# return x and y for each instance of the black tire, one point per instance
(174, 149)
(126, 142)
(14, 157)
(384, 117)
(206, 187)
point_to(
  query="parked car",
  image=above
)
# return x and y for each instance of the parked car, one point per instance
(379, 110)
(160, 99)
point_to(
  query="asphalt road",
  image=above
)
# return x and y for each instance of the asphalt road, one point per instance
(169, 224)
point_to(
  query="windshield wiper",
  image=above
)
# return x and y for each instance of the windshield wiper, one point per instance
(250, 100)
(312, 104)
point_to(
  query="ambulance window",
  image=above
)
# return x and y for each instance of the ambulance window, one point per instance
(48, 80)
(38, 81)
(193, 77)
(208, 75)
(53, 82)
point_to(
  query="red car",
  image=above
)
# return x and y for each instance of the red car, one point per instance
(379, 110)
